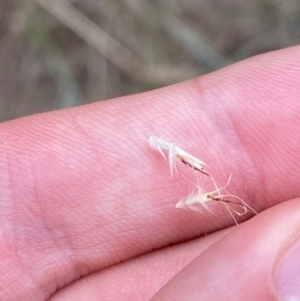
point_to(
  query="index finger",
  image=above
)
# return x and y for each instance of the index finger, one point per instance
(81, 187)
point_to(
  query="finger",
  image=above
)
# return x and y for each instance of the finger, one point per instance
(139, 278)
(257, 261)
(81, 190)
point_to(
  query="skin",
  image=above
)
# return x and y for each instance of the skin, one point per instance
(83, 195)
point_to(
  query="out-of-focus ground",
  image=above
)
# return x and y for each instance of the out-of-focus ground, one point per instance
(58, 53)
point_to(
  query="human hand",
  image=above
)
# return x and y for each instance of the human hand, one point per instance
(81, 191)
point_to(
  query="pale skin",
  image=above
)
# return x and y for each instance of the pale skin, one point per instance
(82, 191)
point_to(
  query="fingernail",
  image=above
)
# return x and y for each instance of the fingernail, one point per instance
(287, 273)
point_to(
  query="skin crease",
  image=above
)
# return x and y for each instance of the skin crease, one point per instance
(82, 191)
(109, 284)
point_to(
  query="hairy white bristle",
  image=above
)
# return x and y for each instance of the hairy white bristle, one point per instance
(175, 154)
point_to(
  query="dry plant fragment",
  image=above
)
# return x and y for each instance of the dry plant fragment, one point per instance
(203, 199)
(175, 153)
(232, 203)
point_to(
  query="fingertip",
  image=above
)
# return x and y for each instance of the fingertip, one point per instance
(242, 265)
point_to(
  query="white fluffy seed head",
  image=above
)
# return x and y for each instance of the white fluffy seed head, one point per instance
(175, 153)
(160, 144)
(194, 200)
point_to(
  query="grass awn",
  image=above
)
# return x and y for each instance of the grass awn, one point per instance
(175, 153)
(203, 198)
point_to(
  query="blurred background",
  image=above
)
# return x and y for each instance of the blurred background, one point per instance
(61, 53)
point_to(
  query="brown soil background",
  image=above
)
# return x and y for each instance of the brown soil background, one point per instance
(57, 53)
